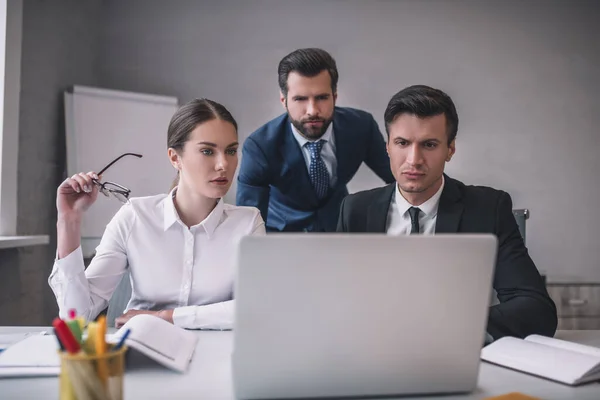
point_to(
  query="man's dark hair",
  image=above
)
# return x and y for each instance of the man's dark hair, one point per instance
(307, 62)
(422, 101)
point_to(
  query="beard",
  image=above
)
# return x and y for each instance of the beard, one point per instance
(310, 132)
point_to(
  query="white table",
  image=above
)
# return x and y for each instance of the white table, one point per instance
(209, 376)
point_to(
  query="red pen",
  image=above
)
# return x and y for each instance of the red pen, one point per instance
(65, 336)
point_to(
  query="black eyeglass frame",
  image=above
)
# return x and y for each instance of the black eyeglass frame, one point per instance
(108, 188)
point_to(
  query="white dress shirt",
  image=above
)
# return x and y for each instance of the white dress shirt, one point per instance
(398, 221)
(327, 151)
(190, 270)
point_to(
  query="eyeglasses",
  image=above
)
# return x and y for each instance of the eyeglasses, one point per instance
(121, 193)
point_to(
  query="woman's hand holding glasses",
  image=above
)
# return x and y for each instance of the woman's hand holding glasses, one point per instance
(76, 194)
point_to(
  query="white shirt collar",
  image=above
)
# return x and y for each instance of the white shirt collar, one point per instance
(429, 208)
(327, 136)
(209, 223)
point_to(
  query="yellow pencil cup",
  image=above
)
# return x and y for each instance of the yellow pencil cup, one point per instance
(84, 376)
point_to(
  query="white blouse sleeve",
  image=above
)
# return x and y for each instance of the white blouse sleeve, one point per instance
(88, 290)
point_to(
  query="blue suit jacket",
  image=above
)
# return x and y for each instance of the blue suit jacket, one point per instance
(273, 176)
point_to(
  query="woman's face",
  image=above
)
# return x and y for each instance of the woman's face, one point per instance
(209, 159)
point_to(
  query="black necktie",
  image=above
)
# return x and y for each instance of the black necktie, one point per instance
(414, 219)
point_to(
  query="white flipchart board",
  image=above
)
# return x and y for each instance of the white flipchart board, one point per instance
(102, 124)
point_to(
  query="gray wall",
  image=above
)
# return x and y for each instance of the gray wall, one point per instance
(523, 75)
(60, 41)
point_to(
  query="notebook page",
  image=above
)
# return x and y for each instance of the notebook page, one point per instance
(160, 340)
(591, 376)
(157, 334)
(538, 359)
(563, 344)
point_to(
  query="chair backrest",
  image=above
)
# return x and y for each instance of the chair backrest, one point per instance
(118, 301)
(521, 216)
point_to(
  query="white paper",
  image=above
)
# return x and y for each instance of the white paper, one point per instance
(8, 339)
(33, 356)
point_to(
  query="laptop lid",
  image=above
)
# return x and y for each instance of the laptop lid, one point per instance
(332, 315)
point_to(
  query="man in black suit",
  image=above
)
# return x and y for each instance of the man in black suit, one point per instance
(422, 124)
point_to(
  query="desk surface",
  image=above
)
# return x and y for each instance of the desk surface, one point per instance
(209, 376)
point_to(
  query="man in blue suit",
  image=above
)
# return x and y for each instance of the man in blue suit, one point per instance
(295, 168)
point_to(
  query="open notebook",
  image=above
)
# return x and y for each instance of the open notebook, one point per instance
(161, 341)
(558, 360)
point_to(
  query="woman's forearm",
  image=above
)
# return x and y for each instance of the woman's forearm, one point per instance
(68, 230)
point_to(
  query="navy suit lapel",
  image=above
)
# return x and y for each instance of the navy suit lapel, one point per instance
(450, 208)
(377, 211)
(294, 158)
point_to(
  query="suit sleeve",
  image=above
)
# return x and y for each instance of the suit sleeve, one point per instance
(253, 179)
(377, 157)
(341, 226)
(525, 307)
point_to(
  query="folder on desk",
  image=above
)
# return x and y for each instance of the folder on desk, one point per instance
(558, 360)
(33, 356)
(8, 339)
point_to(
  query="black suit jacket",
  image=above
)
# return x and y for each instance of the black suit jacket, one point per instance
(525, 307)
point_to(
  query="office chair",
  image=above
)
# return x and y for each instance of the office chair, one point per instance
(521, 216)
(118, 301)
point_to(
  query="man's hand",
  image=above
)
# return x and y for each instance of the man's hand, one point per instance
(167, 315)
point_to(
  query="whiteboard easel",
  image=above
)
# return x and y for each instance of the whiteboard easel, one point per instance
(102, 124)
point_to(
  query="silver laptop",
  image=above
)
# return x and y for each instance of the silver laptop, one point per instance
(334, 315)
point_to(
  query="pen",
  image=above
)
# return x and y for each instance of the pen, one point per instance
(75, 329)
(62, 346)
(122, 341)
(73, 317)
(81, 322)
(65, 336)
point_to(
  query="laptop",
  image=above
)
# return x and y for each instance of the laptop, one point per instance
(360, 315)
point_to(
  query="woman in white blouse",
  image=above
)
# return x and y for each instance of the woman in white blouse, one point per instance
(178, 247)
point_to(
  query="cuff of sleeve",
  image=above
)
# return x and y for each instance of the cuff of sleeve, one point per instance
(70, 266)
(184, 316)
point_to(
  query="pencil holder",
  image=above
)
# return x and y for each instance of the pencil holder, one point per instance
(90, 377)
